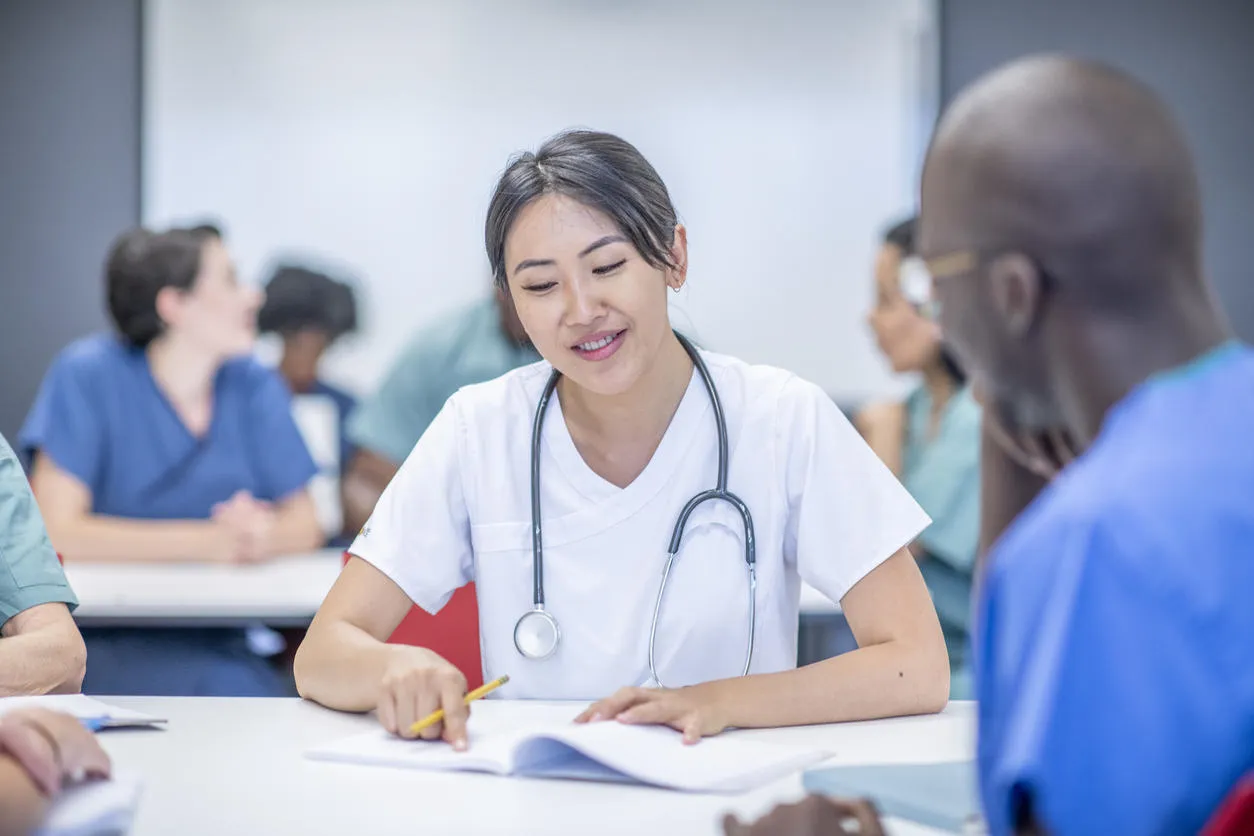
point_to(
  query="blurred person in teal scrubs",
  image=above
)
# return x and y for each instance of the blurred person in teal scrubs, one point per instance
(474, 345)
(931, 440)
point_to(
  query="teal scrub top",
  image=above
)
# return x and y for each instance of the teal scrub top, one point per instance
(942, 473)
(470, 347)
(30, 573)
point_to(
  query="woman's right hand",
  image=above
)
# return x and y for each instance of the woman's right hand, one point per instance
(417, 682)
(52, 747)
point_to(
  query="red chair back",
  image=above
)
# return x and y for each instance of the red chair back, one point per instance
(1235, 816)
(453, 632)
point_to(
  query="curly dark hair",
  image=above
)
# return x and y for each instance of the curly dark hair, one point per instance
(299, 298)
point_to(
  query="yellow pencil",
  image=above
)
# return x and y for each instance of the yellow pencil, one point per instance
(438, 715)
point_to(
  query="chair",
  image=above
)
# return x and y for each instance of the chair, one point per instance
(453, 632)
(1235, 816)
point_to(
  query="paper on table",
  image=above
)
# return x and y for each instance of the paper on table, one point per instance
(93, 808)
(605, 751)
(84, 708)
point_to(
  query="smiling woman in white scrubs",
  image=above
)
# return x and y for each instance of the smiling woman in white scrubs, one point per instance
(583, 236)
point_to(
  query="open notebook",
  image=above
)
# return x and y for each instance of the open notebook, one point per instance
(605, 751)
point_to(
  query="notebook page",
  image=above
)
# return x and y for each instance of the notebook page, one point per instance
(658, 756)
(490, 751)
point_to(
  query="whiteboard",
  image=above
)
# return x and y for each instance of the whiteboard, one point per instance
(367, 136)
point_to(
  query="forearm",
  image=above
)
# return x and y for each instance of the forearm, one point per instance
(114, 539)
(341, 666)
(22, 805)
(365, 479)
(359, 502)
(892, 679)
(296, 529)
(50, 661)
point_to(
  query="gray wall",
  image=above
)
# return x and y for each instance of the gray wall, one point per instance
(69, 175)
(1198, 54)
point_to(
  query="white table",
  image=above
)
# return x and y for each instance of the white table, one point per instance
(281, 593)
(236, 766)
(285, 592)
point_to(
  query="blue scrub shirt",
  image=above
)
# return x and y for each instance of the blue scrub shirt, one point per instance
(100, 416)
(1114, 649)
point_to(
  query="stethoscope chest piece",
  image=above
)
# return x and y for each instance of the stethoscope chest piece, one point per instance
(536, 634)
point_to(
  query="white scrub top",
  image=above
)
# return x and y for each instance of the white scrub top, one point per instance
(825, 509)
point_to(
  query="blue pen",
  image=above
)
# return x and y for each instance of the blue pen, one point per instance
(94, 724)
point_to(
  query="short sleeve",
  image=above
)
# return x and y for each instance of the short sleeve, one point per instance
(30, 573)
(283, 462)
(1090, 658)
(391, 421)
(65, 423)
(419, 533)
(847, 513)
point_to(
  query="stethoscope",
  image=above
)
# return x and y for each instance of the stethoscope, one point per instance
(537, 633)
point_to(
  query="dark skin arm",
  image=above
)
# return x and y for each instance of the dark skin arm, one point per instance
(367, 475)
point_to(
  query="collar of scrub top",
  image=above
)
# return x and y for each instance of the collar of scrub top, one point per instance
(544, 634)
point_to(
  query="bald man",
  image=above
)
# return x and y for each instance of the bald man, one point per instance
(1114, 646)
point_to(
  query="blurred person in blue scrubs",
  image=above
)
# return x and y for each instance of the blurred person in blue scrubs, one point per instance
(310, 312)
(167, 442)
(474, 345)
(931, 440)
(1114, 671)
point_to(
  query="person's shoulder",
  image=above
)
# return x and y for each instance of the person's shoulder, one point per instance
(96, 354)
(250, 376)
(438, 343)
(759, 385)
(343, 400)
(1103, 507)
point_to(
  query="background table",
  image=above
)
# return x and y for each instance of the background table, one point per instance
(237, 766)
(285, 592)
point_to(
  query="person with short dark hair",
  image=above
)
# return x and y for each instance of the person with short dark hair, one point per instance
(592, 456)
(208, 229)
(164, 442)
(931, 440)
(310, 311)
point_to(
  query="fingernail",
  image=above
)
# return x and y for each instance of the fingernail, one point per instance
(459, 745)
(596, 715)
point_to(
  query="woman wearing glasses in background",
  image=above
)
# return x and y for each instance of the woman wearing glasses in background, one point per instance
(931, 440)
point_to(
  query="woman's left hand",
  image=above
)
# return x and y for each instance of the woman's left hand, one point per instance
(696, 711)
